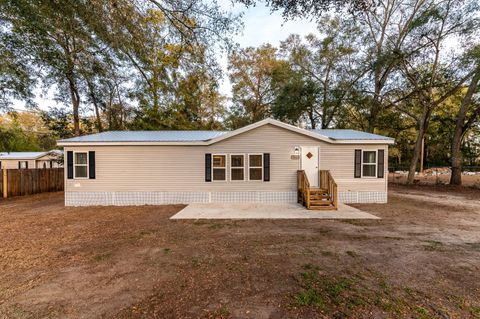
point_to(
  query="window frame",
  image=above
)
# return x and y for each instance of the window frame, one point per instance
(225, 168)
(75, 165)
(23, 164)
(261, 167)
(237, 167)
(375, 163)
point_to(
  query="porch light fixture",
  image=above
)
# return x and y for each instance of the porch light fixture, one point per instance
(296, 150)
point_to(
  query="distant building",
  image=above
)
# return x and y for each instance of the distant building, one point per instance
(28, 160)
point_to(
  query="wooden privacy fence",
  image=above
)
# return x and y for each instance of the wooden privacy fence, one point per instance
(19, 182)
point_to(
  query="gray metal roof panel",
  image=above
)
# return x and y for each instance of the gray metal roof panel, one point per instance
(198, 136)
(148, 136)
(346, 134)
(25, 155)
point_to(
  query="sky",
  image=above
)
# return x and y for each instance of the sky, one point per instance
(260, 26)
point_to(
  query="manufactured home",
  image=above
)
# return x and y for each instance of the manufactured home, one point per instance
(268, 161)
(25, 160)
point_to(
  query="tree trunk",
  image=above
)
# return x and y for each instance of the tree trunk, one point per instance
(97, 116)
(373, 115)
(95, 105)
(456, 177)
(311, 117)
(422, 128)
(416, 156)
(75, 97)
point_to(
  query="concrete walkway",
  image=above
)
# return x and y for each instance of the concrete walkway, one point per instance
(266, 211)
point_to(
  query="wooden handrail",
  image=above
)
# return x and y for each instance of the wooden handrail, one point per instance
(327, 182)
(303, 186)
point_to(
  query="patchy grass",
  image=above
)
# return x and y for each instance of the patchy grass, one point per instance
(475, 312)
(423, 313)
(216, 226)
(433, 245)
(344, 296)
(330, 295)
(102, 257)
(473, 246)
(351, 253)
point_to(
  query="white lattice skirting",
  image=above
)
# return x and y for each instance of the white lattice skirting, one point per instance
(362, 197)
(163, 198)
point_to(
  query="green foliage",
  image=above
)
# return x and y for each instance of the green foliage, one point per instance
(251, 71)
(24, 132)
(307, 8)
(196, 104)
(296, 98)
(108, 56)
(15, 79)
(320, 80)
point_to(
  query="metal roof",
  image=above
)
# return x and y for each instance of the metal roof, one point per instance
(25, 155)
(205, 137)
(148, 136)
(345, 134)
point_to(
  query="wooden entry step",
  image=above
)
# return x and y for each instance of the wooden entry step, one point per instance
(324, 197)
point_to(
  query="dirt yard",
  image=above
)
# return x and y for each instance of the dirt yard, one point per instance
(421, 260)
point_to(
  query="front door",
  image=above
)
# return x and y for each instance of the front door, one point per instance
(310, 164)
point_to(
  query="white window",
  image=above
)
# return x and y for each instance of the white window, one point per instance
(219, 167)
(23, 164)
(237, 167)
(255, 167)
(81, 165)
(369, 164)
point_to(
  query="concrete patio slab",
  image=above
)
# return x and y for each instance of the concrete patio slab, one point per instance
(266, 211)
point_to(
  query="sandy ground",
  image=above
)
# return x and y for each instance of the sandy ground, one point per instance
(467, 180)
(421, 260)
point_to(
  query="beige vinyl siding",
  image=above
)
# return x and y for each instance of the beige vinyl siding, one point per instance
(339, 159)
(182, 168)
(13, 164)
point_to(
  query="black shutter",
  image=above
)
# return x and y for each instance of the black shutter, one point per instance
(208, 167)
(70, 165)
(381, 163)
(358, 164)
(91, 165)
(51, 164)
(266, 167)
(26, 164)
(19, 165)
